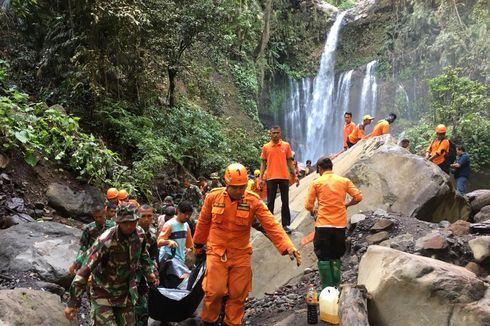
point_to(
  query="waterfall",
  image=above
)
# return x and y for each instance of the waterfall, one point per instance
(369, 89)
(322, 127)
(313, 114)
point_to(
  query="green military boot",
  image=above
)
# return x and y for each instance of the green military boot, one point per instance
(336, 272)
(325, 271)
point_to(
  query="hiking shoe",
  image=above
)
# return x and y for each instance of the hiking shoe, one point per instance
(287, 229)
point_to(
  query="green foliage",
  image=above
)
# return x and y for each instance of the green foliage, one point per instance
(462, 104)
(343, 4)
(49, 133)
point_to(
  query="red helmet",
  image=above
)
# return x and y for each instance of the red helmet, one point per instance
(441, 129)
(236, 175)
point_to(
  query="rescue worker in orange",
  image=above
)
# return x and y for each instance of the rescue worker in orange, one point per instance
(348, 127)
(438, 149)
(258, 188)
(224, 226)
(382, 127)
(112, 196)
(331, 219)
(123, 197)
(358, 132)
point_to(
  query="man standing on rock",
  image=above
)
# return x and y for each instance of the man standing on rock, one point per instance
(438, 149)
(358, 132)
(348, 128)
(114, 260)
(277, 159)
(461, 169)
(331, 219)
(90, 233)
(224, 226)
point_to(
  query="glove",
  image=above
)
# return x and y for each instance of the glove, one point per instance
(294, 254)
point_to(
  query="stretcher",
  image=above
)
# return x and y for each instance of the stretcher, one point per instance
(176, 300)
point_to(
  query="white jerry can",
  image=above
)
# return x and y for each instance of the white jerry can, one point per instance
(329, 305)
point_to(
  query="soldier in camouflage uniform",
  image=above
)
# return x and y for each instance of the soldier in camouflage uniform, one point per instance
(114, 261)
(90, 233)
(214, 183)
(192, 194)
(145, 222)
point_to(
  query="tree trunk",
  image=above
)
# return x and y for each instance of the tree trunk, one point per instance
(172, 74)
(264, 39)
(353, 306)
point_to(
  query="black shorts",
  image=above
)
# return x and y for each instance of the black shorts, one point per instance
(349, 144)
(329, 243)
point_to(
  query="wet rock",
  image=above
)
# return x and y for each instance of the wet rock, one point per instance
(478, 199)
(434, 241)
(377, 237)
(483, 215)
(31, 307)
(460, 228)
(5, 177)
(412, 290)
(308, 270)
(76, 204)
(356, 218)
(383, 224)
(480, 247)
(46, 248)
(39, 205)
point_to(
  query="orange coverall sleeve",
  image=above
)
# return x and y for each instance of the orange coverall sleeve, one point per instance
(310, 198)
(188, 240)
(386, 129)
(275, 232)
(204, 222)
(163, 236)
(353, 191)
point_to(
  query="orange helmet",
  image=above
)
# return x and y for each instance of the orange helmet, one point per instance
(112, 193)
(123, 195)
(441, 129)
(236, 175)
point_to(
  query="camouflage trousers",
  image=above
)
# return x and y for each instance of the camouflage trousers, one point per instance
(141, 309)
(112, 316)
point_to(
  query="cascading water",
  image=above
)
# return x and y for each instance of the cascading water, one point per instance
(369, 89)
(313, 119)
(321, 133)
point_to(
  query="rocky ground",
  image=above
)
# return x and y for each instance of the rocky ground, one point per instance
(444, 241)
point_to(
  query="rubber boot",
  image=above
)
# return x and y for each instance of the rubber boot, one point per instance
(336, 265)
(325, 271)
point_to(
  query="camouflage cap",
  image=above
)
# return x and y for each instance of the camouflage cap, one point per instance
(127, 214)
(214, 175)
(168, 199)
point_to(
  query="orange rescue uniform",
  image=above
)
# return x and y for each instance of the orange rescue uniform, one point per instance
(262, 192)
(330, 189)
(224, 225)
(347, 131)
(277, 157)
(357, 134)
(382, 127)
(440, 147)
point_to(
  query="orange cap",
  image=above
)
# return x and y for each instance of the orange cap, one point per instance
(123, 195)
(112, 193)
(236, 175)
(441, 129)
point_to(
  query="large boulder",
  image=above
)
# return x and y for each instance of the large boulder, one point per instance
(46, 248)
(398, 181)
(31, 307)
(483, 215)
(74, 203)
(479, 199)
(413, 290)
